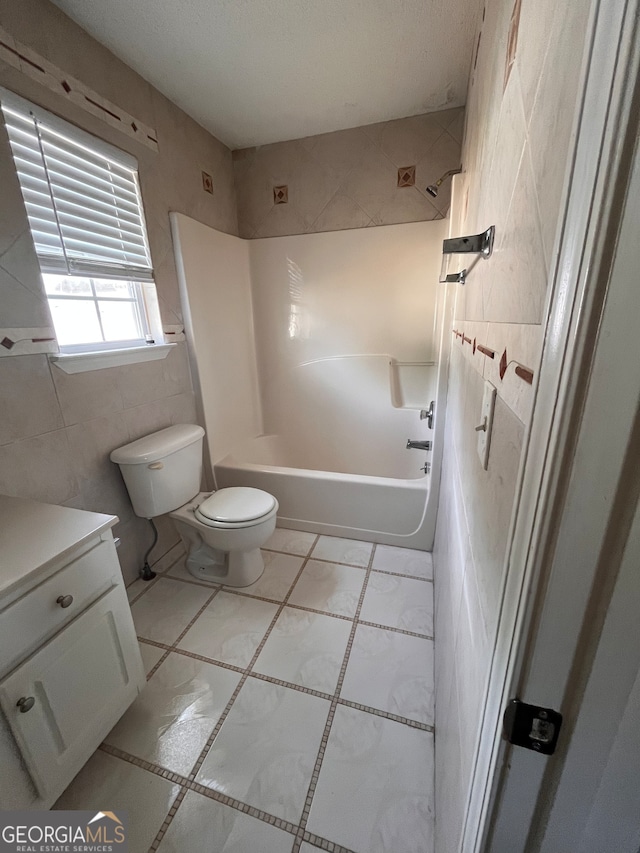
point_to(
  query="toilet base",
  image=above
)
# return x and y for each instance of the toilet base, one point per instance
(230, 555)
(232, 568)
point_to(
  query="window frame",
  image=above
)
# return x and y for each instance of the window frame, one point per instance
(141, 312)
(50, 265)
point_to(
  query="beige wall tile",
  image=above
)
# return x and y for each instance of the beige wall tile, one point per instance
(40, 468)
(406, 141)
(281, 220)
(405, 204)
(443, 156)
(182, 408)
(342, 150)
(341, 213)
(456, 127)
(516, 289)
(141, 383)
(27, 398)
(11, 204)
(348, 178)
(552, 119)
(23, 301)
(311, 186)
(93, 441)
(147, 418)
(254, 187)
(505, 160)
(84, 396)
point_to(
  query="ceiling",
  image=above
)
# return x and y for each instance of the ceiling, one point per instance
(259, 71)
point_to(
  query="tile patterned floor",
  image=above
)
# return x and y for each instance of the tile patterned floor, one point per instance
(290, 716)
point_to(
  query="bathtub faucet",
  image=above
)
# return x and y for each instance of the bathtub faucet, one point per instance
(418, 445)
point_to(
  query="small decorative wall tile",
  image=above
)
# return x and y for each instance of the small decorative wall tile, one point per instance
(503, 364)
(207, 183)
(281, 194)
(512, 43)
(406, 176)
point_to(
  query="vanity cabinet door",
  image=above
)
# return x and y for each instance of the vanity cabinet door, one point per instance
(64, 699)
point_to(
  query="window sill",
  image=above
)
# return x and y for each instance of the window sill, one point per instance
(81, 362)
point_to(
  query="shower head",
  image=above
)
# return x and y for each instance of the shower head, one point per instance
(432, 189)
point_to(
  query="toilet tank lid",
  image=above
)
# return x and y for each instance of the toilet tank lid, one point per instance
(156, 446)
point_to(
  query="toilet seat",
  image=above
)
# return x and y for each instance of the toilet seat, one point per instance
(236, 507)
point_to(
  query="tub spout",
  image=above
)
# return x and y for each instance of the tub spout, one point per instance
(418, 445)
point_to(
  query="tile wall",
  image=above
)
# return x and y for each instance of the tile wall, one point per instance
(519, 118)
(371, 175)
(56, 430)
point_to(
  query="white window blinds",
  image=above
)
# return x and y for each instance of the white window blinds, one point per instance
(81, 194)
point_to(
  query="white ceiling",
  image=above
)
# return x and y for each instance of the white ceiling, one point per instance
(258, 71)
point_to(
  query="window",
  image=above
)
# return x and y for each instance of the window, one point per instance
(85, 212)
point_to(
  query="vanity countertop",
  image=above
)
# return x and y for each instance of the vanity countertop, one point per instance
(34, 535)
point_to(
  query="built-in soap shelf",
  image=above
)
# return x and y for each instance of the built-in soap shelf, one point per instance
(411, 383)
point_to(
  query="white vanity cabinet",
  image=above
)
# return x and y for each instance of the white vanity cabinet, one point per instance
(69, 658)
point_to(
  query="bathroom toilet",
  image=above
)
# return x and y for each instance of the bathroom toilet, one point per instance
(222, 531)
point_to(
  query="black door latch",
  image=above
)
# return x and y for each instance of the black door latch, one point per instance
(531, 726)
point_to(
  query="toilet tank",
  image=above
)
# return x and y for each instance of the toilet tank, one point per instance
(162, 471)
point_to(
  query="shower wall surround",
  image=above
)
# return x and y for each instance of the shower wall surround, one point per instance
(343, 325)
(56, 429)
(519, 118)
(344, 322)
(371, 175)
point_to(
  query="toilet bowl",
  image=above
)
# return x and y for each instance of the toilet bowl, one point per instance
(223, 532)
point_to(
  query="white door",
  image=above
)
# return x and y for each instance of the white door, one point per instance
(596, 797)
(63, 699)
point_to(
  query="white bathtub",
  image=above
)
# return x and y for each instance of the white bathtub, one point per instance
(386, 510)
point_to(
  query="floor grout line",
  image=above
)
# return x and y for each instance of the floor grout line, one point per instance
(396, 718)
(396, 630)
(300, 688)
(210, 740)
(401, 575)
(315, 775)
(306, 609)
(189, 783)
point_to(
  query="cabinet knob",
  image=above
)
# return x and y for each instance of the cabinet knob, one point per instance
(64, 600)
(25, 704)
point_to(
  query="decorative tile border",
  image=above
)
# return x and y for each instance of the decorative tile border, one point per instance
(521, 371)
(189, 783)
(34, 65)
